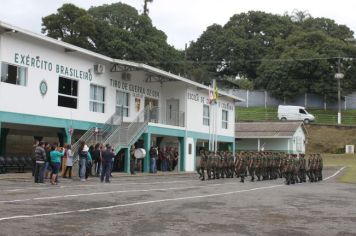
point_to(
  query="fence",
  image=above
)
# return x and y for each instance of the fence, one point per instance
(264, 99)
(272, 116)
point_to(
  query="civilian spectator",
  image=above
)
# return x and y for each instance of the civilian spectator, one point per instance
(175, 159)
(56, 155)
(69, 163)
(153, 159)
(83, 156)
(159, 160)
(97, 159)
(33, 157)
(165, 159)
(132, 160)
(40, 158)
(89, 164)
(106, 162)
(48, 165)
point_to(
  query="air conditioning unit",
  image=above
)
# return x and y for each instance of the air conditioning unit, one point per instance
(99, 68)
(126, 76)
(349, 149)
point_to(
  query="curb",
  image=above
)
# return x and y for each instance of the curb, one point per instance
(28, 176)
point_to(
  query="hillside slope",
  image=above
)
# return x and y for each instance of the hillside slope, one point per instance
(329, 138)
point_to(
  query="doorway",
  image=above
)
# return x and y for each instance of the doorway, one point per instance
(152, 114)
(172, 112)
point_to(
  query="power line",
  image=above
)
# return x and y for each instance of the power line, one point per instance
(224, 62)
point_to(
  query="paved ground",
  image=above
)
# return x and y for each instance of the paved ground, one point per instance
(177, 205)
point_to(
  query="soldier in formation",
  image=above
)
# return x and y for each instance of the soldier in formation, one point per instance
(261, 165)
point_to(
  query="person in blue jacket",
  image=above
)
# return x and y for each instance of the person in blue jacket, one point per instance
(56, 154)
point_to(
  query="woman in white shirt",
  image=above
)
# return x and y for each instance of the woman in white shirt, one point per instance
(69, 163)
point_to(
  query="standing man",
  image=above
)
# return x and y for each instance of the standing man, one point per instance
(40, 159)
(153, 158)
(33, 157)
(97, 159)
(132, 160)
(106, 162)
(83, 156)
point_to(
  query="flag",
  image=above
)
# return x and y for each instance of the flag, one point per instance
(211, 95)
(216, 93)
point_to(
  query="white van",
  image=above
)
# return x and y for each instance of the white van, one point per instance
(294, 113)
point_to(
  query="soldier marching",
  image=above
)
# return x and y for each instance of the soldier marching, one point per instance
(260, 166)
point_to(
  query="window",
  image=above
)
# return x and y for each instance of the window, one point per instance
(97, 98)
(225, 119)
(122, 102)
(206, 115)
(302, 111)
(67, 93)
(13, 74)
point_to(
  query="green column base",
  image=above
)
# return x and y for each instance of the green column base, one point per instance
(182, 153)
(147, 146)
(127, 160)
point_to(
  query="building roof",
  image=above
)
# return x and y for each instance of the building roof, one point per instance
(5, 27)
(267, 129)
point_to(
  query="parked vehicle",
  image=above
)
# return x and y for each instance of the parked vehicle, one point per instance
(294, 113)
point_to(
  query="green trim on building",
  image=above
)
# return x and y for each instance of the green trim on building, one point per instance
(25, 119)
(165, 131)
(182, 153)
(127, 161)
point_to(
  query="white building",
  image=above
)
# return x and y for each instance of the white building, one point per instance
(289, 137)
(51, 89)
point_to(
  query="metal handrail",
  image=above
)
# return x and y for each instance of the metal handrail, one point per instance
(114, 121)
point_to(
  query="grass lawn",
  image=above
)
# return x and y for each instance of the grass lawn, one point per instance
(349, 174)
(322, 116)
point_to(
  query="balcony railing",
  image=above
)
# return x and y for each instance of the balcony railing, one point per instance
(160, 116)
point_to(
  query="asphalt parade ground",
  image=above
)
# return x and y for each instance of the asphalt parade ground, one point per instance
(178, 205)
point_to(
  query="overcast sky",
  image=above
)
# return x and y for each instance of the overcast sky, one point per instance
(182, 20)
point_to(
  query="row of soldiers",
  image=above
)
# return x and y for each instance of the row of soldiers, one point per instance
(262, 165)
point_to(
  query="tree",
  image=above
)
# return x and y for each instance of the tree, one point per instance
(115, 30)
(70, 24)
(287, 55)
(304, 65)
(237, 47)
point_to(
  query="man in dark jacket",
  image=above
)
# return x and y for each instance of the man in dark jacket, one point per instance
(40, 157)
(153, 159)
(106, 161)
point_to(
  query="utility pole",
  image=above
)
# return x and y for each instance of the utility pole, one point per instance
(339, 76)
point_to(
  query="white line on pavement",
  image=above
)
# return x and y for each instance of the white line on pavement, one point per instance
(113, 192)
(335, 174)
(153, 201)
(93, 185)
(138, 203)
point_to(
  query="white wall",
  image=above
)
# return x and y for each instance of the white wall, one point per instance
(299, 141)
(189, 158)
(195, 101)
(28, 100)
(173, 90)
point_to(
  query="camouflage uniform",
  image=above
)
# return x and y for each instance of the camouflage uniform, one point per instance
(311, 168)
(241, 167)
(202, 165)
(251, 166)
(258, 166)
(319, 168)
(302, 168)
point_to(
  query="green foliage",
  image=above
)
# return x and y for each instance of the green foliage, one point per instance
(287, 55)
(70, 24)
(116, 30)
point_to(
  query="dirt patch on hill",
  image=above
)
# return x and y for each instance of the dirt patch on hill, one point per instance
(330, 138)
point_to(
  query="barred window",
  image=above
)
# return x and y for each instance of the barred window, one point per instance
(97, 99)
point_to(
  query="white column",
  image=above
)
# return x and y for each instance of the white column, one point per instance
(258, 145)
